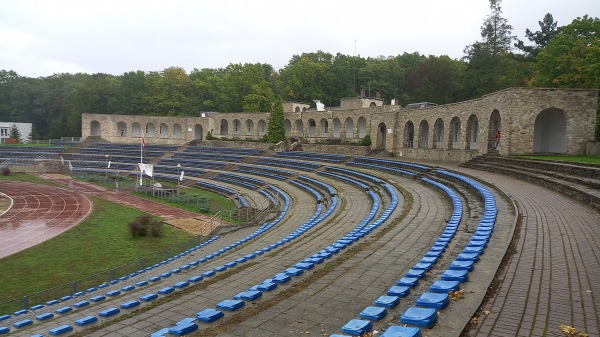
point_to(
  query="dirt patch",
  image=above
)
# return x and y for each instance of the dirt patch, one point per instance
(193, 225)
(4, 204)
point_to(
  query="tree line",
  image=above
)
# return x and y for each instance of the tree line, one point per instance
(552, 56)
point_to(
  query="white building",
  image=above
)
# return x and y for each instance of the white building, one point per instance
(24, 130)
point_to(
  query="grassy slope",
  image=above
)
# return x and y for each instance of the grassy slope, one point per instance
(100, 242)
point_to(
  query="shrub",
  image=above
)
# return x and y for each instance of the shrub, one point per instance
(209, 136)
(145, 224)
(366, 141)
(5, 171)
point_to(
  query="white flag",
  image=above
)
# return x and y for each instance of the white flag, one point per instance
(142, 167)
(108, 164)
(70, 166)
(149, 169)
(62, 160)
(181, 176)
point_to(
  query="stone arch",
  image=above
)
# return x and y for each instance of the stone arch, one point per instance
(304, 109)
(237, 127)
(136, 129)
(550, 131)
(381, 133)
(297, 109)
(409, 134)
(337, 128)
(262, 127)
(493, 127)
(423, 134)
(177, 132)
(324, 124)
(362, 127)
(224, 127)
(438, 134)
(198, 131)
(122, 129)
(95, 129)
(249, 129)
(472, 132)
(163, 130)
(287, 125)
(454, 134)
(300, 127)
(372, 104)
(149, 130)
(312, 127)
(349, 128)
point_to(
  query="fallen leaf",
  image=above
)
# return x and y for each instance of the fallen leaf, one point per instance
(487, 312)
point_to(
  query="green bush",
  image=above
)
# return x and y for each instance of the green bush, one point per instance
(145, 224)
(5, 171)
(366, 141)
(209, 136)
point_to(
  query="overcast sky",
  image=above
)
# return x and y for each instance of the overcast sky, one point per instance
(43, 37)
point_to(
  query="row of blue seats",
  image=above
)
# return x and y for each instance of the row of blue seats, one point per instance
(185, 163)
(243, 201)
(292, 164)
(384, 168)
(261, 173)
(344, 178)
(424, 314)
(117, 146)
(324, 157)
(250, 180)
(31, 149)
(189, 171)
(268, 196)
(214, 187)
(355, 173)
(189, 324)
(319, 183)
(394, 163)
(267, 169)
(311, 190)
(236, 182)
(44, 315)
(209, 156)
(234, 150)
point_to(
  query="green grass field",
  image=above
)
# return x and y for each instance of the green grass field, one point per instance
(575, 159)
(100, 242)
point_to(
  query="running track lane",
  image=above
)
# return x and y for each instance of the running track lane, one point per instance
(38, 213)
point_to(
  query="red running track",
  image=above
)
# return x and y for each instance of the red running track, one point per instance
(38, 213)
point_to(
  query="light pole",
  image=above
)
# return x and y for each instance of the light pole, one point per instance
(178, 179)
(107, 167)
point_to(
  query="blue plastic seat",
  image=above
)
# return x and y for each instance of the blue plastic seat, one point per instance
(60, 330)
(399, 291)
(248, 295)
(230, 305)
(402, 331)
(455, 275)
(357, 327)
(184, 327)
(443, 287)
(209, 315)
(86, 320)
(373, 313)
(433, 300)
(387, 301)
(109, 312)
(423, 317)
(408, 281)
(462, 265)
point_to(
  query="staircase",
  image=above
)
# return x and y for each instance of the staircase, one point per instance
(578, 180)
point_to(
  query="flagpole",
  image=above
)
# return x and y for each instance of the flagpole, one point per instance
(141, 160)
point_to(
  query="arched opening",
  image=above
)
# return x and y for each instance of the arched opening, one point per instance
(454, 134)
(493, 128)
(362, 127)
(438, 134)
(149, 130)
(198, 132)
(163, 130)
(381, 133)
(550, 131)
(223, 127)
(324, 127)
(409, 134)
(95, 129)
(299, 127)
(372, 104)
(312, 128)
(136, 130)
(423, 134)
(262, 127)
(249, 129)
(177, 131)
(122, 129)
(337, 127)
(472, 131)
(349, 128)
(237, 127)
(287, 125)
(297, 109)
(304, 109)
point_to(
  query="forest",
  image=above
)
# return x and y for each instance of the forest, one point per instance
(552, 56)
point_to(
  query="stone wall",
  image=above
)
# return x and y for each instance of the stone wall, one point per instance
(454, 132)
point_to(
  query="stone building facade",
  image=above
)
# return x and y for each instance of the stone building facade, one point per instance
(530, 120)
